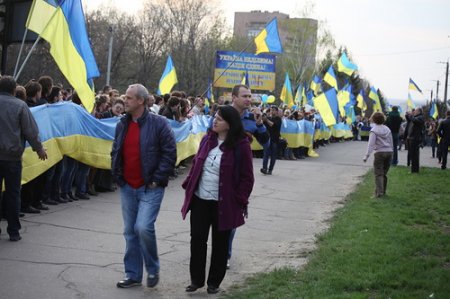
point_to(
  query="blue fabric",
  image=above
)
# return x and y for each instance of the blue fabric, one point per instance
(140, 208)
(270, 151)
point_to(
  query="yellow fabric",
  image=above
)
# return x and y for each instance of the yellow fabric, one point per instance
(168, 82)
(260, 41)
(40, 13)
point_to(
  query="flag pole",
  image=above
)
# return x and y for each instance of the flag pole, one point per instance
(16, 76)
(20, 51)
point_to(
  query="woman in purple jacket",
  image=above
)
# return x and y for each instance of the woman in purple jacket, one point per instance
(217, 190)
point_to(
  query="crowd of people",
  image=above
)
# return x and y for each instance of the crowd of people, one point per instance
(143, 156)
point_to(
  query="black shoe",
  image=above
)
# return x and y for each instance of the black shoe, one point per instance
(66, 197)
(82, 196)
(21, 215)
(152, 280)
(41, 207)
(30, 210)
(60, 200)
(15, 238)
(192, 288)
(269, 172)
(91, 191)
(70, 195)
(128, 283)
(212, 290)
(264, 171)
(50, 202)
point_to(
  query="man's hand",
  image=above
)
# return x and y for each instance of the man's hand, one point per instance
(42, 154)
(258, 115)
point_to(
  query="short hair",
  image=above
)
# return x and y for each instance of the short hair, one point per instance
(47, 84)
(8, 84)
(118, 101)
(394, 108)
(54, 93)
(173, 101)
(378, 118)
(141, 92)
(101, 99)
(21, 93)
(106, 88)
(236, 88)
(158, 99)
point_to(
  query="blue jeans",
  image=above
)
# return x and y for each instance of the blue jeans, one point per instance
(270, 150)
(140, 207)
(11, 173)
(69, 170)
(395, 145)
(81, 178)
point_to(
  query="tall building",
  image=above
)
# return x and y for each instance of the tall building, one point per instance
(298, 37)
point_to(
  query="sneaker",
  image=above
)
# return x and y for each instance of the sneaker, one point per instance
(212, 290)
(128, 283)
(269, 172)
(50, 202)
(41, 207)
(263, 171)
(71, 196)
(152, 280)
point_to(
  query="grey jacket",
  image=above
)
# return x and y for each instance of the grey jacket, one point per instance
(17, 125)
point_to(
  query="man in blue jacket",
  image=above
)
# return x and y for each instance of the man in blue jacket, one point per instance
(143, 157)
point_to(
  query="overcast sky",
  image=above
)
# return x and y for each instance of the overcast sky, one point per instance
(390, 41)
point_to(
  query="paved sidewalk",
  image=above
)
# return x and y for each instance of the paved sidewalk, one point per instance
(75, 250)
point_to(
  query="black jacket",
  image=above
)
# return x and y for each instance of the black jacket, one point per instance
(444, 129)
(158, 149)
(416, 131)
(393, 121)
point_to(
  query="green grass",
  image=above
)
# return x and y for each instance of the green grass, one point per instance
(396, 247)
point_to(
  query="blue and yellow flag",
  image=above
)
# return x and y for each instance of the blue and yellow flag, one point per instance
(373, 95)
(361, 103)
(315, 85)
(413, 86)
(63, 27)
(434, 113)
(330, 78)
(286, 93)
(344, 98)
(268, 40)
(345, 66)
(168, 78)
(298, 95)
(327, 105)
(409, 103)
(245, 80)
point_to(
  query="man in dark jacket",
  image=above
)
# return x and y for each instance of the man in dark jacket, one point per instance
(17, 126)
(415, 137)
(444, 132)
(393, 122)
(143, 157)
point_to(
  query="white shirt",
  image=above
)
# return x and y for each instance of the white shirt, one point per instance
(208, 187)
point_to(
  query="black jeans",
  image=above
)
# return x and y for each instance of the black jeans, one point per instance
(11, 173)
(444, 153)
(414, 154)
(204, 214)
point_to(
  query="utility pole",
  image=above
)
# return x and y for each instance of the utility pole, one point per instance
(437, 89)
(110, 48)
(446, 81)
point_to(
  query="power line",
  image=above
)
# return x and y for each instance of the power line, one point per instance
(405, 52)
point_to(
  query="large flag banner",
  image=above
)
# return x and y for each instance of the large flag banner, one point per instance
(64, 28)
(345, 66)
(327, 105)
(373, 94)
(231, 65)
(268, 40)
(286, 93)
(344, 98)
(330, 78)
(168, 78)
(413, 86)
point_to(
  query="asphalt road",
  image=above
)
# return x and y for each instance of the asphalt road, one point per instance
(75, 250)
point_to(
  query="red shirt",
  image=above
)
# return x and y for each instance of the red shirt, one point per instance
(131, 153)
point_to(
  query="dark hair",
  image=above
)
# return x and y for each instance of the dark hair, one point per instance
(378, 118)
(158, 99)
(54, 93)
(232, 117)
(184, 103)
(21, 93)
(394, 108)
(235, 91)
(118, 101)
(106, 89)
(47, 84)
(173, 101)
(76, 98)
(8, 84)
